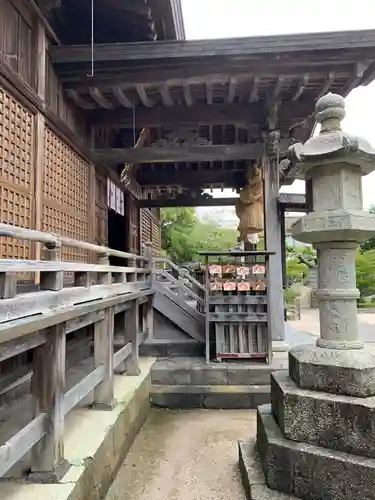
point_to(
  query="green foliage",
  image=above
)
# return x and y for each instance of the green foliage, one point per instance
(370, 243)
(177, 225)
(184, 236)
(365, 268)
(290, 295)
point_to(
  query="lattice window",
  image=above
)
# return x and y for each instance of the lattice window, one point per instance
(66, 176)
(16, 142)
(66, 194)
(16, 173)
(15, 208)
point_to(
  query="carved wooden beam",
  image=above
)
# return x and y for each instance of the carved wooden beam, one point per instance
(179, 154)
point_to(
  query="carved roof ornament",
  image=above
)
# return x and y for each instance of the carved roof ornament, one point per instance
(182, 137)
(332, 145)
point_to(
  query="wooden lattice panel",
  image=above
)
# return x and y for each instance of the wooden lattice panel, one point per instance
(66, 193)
(16, 209)
(66, 176)
(16, 142)
(156, 238)
(16, 173)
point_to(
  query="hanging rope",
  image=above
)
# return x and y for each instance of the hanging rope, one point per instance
(92, 39)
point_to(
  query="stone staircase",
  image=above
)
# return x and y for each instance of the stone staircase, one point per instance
(188, 382)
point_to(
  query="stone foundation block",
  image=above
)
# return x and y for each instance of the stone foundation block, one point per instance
(252, 476)
(339, 371)
(308, 471)
(333, 421)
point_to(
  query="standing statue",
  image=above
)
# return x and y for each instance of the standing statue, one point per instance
(250, 206)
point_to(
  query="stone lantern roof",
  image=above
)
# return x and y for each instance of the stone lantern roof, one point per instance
(334, 162)
(332, 145)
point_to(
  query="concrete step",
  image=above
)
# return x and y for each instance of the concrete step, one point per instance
(192, 383)
(219, 397)
(195, 371)
(176, 348)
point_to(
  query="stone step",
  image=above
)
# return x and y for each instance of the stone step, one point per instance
(223, 397)
(195, 371)
(308, 471)
(176, 348)
(253, 479)
(336, 422)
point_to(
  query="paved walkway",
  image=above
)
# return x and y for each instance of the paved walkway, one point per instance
(189, 455)
(306, 329)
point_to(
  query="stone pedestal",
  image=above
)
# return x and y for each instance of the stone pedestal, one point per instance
(317, 438)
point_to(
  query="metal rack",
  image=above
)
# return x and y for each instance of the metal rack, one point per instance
(236, 306)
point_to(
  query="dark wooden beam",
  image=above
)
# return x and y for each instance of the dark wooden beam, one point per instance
(192, 179)
(179, 154)
(216, 114)
(287, 200)
(293, 202)
(348, 41)
(186, 201)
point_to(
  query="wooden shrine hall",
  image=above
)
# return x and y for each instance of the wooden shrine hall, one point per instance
(107, 114)
(186, 116)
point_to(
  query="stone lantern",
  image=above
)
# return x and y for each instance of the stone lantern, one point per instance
(317, 438)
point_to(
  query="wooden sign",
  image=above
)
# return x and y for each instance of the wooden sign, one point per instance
(257, 269)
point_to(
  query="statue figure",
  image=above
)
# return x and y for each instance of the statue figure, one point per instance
(250, 206)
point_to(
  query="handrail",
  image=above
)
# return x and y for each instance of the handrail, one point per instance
(40, 320)
(182, 272)
(183, 288)
(20, 233)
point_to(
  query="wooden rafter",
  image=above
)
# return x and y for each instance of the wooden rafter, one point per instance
(216, 114)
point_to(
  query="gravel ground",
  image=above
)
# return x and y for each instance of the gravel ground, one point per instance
(185, 455)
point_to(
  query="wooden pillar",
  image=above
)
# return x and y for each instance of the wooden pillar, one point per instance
(132, 334)
(103, 355)
(48, 388)
(283, 244)
(40, 53)
(149, 313)
(273, 244)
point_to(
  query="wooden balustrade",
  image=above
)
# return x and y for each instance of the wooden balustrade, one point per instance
(40, 321)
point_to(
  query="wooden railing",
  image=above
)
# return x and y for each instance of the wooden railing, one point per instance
(40, 321)
(179, 282)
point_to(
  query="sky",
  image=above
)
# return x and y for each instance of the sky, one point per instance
(236, 18)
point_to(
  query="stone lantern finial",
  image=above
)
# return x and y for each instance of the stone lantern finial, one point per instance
(330, 111)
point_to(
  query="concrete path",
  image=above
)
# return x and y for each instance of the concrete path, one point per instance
(305, 330)
(189, 455)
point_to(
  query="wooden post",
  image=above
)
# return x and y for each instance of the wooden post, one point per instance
(283, 245)
(40, 52)
(48, 387)
(273, 244)
(131, 327)
(105, 278)
(149, 314)
(52, 280)
(103, 355)
(8, 285)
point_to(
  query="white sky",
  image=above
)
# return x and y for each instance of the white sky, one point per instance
(236, 18)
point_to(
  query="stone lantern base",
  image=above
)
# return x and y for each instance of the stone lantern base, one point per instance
(316, 440)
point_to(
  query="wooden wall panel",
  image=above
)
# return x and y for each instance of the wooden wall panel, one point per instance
(65, 204)
(101, 210)
(15, 38)
(150, 230)
(16, 172)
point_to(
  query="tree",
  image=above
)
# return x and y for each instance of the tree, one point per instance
(370, 243)
(177, 225)
(365, 268)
